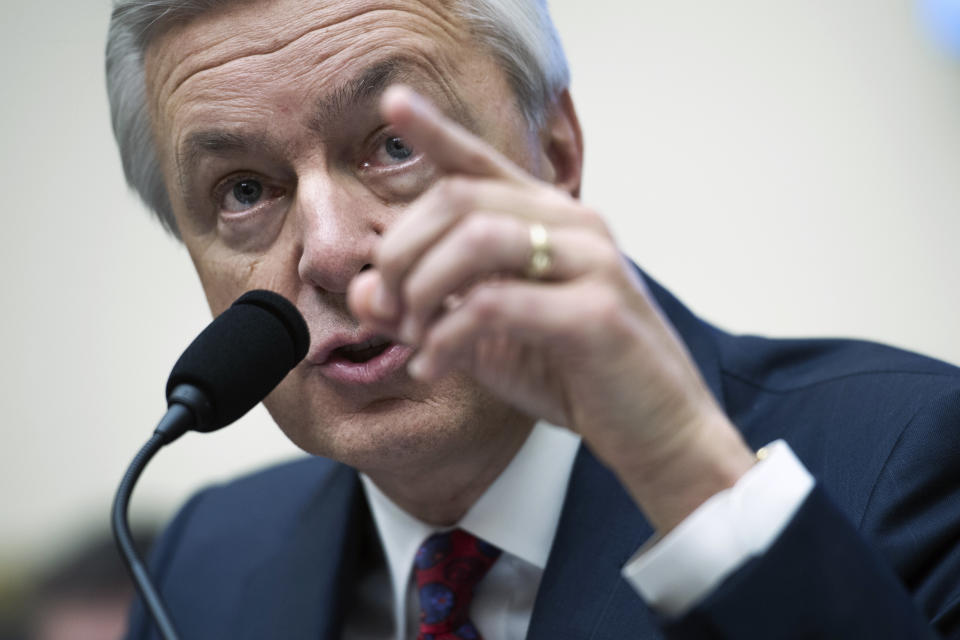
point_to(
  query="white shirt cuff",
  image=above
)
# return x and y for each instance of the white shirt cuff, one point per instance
(677, 571)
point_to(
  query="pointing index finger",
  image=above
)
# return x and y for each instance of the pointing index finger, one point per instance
(451, 147)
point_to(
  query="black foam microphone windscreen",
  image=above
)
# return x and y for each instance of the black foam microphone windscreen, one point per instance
(242, 355)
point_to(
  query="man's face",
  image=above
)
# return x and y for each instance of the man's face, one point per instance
(283, 175)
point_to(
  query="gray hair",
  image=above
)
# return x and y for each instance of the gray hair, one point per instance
(518, 33)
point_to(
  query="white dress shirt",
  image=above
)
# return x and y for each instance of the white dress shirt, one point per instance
(519, 513)
(676, 571)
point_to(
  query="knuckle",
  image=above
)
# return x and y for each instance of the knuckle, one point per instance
(455, 193)
(476, 156)
(483, 305)
(594, 219)
(479, 232)
(439, 342)
(558, 197)
(609, 260)
(605, 308)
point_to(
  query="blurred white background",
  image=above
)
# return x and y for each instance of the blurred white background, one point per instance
(786, 168)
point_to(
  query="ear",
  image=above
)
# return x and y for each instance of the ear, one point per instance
(562, 143)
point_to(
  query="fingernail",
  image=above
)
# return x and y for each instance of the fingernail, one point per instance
(418, 103)
(415, 367)
(418, 367)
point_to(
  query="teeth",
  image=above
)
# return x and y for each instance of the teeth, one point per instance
(368, 344)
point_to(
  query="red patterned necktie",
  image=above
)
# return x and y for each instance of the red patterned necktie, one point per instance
(448, 567)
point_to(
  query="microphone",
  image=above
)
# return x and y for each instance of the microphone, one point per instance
(238, 359)
(230, 367)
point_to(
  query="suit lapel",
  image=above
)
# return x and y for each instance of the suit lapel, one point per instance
(599, 529)
(299, 592)
(582, 594)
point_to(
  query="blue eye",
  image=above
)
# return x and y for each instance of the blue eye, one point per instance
(397, 149)
(247, 192)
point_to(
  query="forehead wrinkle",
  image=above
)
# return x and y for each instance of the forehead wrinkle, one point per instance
(209, 40)
(276, 45)
(206, 35)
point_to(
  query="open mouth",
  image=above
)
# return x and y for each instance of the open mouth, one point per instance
(360, 352)
(365, 362)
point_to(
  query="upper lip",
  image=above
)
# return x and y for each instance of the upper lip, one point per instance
(321, 351)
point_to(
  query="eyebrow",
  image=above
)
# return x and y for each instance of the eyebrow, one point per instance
(357, 92)
(327, 110)
(217, 142)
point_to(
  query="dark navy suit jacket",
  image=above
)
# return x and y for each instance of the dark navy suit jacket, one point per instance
(874, 551)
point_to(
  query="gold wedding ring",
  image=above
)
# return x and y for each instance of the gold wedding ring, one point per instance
(541, 256)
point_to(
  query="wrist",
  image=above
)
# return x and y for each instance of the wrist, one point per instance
(668, 482)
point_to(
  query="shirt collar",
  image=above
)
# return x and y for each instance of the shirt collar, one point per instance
(518, 513)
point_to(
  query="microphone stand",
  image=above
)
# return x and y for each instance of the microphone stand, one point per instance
(210, 387)
(175, 423)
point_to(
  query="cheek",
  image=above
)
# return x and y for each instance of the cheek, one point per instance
(225, 275)
(294, 416)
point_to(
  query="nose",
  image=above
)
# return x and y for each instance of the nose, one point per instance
(338, 232)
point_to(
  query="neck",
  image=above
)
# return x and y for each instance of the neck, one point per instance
(442, 491)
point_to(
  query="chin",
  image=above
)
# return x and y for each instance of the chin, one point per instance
(390, 431)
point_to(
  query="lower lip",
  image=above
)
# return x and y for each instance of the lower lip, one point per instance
(374, 370)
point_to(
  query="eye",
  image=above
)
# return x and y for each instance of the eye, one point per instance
(245, 193)
(242, 195)
(397, 149)
(389, 151)
(392, 168)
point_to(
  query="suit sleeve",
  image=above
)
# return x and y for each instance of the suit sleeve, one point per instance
(894, 574)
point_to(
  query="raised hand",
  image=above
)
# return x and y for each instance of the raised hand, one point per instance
(581, 344)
